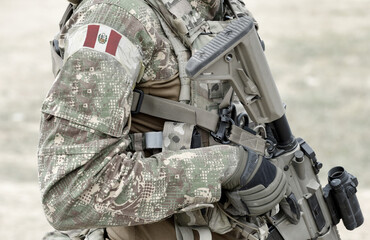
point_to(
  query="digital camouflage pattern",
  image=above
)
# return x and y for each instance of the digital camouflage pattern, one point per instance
(177, 136)
(87, 177)
(187, 18)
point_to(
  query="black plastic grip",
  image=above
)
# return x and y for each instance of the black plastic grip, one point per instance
(236, 30)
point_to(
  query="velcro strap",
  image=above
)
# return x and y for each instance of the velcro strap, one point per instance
(153, 140)
(143, 141)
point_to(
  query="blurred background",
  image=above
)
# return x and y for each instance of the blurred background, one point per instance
(318, 51)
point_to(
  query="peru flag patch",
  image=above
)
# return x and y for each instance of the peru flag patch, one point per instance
(102, 38)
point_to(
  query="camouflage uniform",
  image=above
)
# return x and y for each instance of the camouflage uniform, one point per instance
(88, 177)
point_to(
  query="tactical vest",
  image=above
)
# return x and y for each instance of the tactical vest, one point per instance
(188, 31)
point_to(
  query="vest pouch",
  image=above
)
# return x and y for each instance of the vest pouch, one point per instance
(208, 94)
(204, 215)
(218, 222)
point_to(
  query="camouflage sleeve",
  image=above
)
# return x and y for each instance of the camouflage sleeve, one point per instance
(87, 178)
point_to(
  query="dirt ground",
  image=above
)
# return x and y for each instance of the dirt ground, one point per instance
(318, 52)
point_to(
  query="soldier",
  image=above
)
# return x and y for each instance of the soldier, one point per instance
(142, 176)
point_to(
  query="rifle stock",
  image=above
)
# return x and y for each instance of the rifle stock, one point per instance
(236, 55)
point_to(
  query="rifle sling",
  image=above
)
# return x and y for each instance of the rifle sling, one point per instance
(180, 112)
(175, 111)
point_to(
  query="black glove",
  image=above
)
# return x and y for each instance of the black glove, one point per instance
(256, 186)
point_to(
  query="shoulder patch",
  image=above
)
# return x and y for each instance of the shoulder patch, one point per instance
(102, 38)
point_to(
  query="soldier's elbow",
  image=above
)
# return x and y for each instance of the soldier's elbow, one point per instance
(60, 215)
(60, 222)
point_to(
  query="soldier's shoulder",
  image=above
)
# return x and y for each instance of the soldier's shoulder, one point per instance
(133, 19)
(137, 8)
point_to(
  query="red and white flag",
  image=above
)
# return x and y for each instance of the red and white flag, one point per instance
(102, 38)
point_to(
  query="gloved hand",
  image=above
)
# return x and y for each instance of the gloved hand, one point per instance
(256, 186)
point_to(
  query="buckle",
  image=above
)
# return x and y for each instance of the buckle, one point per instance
(139, 102)
(242, 121)
(226, 120)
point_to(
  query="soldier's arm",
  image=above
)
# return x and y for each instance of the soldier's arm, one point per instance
(87, 177)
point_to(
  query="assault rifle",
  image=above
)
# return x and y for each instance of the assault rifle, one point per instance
(236, 55)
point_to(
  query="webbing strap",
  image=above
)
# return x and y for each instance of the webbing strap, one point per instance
(56, 59)
(245, 138)
(67, 14)
(180, 112)
(183, 233)
(227, 99)
(183, 56)
(186, 233)
(175, 111)
(204, 233)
